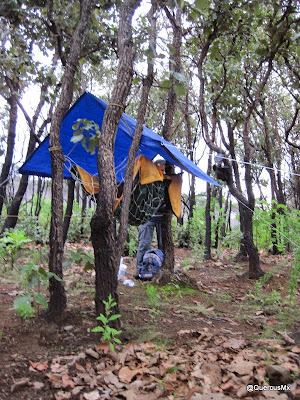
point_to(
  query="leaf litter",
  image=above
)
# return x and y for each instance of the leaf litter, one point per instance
(211, 359)
(210, 367)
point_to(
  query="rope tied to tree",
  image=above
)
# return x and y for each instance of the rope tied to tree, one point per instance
(55, 148)
(117, 105)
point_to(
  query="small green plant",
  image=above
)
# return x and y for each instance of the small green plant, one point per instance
(153, 300)
(171, 289)
(79, 257)
(11, 243)
(25, 309)
(33, 278)
(109, 334)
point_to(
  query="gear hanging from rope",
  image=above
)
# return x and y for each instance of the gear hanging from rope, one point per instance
(149, 189)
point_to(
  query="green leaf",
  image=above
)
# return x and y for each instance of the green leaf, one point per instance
(112, 347)
(202, 4)
(166, 84)
(52, 275)
(171, 49)
(180, 90)
(113, 317)
(102, 318)
(193, 15)
(114, 332)
(180, 77)
(88, 266)
(98, 329)
(42, 272)
(40, 299)
(24, 300)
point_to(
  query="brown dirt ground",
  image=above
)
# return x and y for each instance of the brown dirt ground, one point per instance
(221, 306)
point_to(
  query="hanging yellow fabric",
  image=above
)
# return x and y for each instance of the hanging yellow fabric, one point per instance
(174, 191)
(89, 182)
(149, 173)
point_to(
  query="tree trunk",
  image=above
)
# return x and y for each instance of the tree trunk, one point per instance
(69, 209)
(254, 271)
(57, 303)
(83, 212)
(11, 135)
(39, 194)
(13, 210)
(167, 268)
(220, 219)
(168, 248)
(207, 244)
(106, 251)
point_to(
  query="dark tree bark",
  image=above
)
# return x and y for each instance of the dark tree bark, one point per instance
(39, 194)
(13, 211)
(83, 211)
(191, 145)
(167, 268)
(220, 218)
(107, 247)
(11, 135)
(207, 243)
(57, 303)
(69, 209)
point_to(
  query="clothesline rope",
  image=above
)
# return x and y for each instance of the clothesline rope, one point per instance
(260, 166)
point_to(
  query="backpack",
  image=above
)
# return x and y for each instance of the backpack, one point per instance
(152, 262)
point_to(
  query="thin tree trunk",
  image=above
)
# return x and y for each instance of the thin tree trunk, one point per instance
(207, 244)
(57, 303)
(106, 251)
(83, 212)
(167, 268)
(11, 135)
(13, 210)
(39, 194)
(69, 209)
(220, 218)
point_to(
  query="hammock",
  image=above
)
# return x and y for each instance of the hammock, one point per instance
(149, 189)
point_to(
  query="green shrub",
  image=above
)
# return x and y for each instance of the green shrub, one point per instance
(11, 243)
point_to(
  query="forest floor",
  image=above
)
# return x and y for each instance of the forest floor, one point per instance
(229, 338)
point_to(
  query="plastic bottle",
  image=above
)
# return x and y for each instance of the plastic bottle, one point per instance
(122, 272)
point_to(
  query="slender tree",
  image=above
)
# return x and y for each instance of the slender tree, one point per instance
(57, 301)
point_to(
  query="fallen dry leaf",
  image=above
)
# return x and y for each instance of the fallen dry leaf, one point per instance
(38, 385)
(296, 349)
(39, 366)
(55, 380)
(241, 367)
(126, 374)
(66, 381)
(94, 395)
(79, 367)
(111, 379)
(214, 372)
(62, 395)
(234, 344)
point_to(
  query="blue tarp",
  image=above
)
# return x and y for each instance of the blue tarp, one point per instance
(92, 108)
